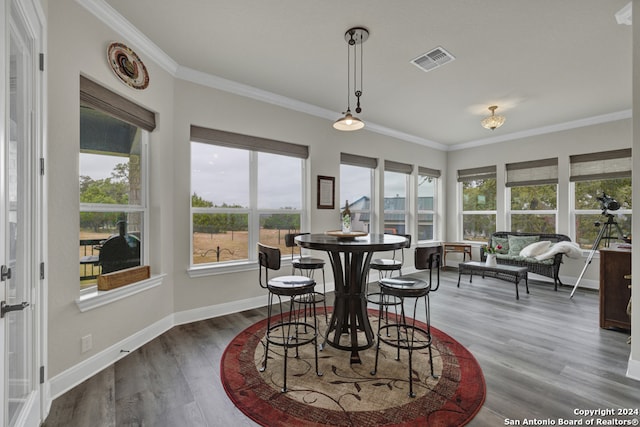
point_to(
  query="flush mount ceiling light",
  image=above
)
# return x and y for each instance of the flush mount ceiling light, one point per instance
(492, 121)
(354, 38)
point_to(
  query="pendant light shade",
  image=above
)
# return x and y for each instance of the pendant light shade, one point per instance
(348, 122)
(354, 38)
(492, 122)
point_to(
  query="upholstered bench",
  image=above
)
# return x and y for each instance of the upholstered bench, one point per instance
(542, 259)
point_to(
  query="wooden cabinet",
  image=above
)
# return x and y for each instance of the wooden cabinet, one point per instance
(614, 288)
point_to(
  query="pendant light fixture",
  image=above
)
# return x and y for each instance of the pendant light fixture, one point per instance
(354, 37)
(492, 122)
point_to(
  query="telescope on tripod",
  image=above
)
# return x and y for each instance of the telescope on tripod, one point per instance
(610, 230)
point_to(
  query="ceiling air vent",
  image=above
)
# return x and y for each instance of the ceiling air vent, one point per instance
(432, 59)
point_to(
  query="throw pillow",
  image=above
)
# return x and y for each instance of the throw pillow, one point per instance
(535, 249)
(500, 241)
(518, 243)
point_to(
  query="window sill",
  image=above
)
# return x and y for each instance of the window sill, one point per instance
(93, 298)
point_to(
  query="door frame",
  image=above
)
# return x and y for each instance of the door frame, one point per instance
(33, 17)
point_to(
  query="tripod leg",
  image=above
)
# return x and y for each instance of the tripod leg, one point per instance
(589, 258)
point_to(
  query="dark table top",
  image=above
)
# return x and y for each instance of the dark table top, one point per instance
(368, 243)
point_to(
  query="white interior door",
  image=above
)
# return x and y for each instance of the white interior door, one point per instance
(19, 281)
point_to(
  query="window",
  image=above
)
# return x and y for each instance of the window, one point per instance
(356, 188)
(113, 206)
(532, 191)
(478, 202)
(396, 178)
(596, 178)
(244, 190)
(427, 180)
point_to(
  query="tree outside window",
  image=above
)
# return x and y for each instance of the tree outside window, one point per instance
(589, 213)
(427, 185)
(533, 208)
(112, 205)
(241, 197)
(478, 209)
(595, 175)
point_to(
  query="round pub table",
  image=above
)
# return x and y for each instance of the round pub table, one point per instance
(349, 328)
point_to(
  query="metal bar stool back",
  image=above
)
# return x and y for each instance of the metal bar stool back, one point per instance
(385, 268)
(307, 266)
(290, 330)
(404, 332)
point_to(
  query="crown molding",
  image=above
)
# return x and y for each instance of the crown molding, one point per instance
(204, 79)
(110, 17)
(589, 121)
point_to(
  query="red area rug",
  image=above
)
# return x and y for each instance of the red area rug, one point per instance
(348, 395)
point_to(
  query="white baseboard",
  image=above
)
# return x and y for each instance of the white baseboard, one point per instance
(84, 370)
(202, 313)
(633, 369)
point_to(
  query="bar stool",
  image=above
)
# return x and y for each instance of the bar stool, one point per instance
(385, 268)
(408, 334)
(290, 331)
(307, 266)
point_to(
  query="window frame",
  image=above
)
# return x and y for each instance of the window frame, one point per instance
(470, 175)
(435, 174)
(529, 174)
(254, 146)
(598, 166)
(367, 163)
(406, 170)
(110, 103)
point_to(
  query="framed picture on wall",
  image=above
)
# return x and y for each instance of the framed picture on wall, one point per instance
(326, 192)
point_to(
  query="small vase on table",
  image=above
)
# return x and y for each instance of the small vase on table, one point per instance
(491, 260)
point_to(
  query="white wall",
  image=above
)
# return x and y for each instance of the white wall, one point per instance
(77, 45)
(195, 104)
(589, 139)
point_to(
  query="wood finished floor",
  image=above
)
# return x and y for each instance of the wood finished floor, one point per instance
(542, 356)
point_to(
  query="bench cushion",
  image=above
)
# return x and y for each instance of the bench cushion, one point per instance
(518, 243)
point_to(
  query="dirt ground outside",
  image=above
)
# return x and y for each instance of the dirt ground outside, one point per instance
(233, 245)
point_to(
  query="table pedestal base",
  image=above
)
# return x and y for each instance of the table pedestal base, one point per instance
(349, 318)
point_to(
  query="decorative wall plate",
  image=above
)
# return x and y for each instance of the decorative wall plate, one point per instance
(127, 66)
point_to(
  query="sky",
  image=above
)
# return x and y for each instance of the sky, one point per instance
(221, 175)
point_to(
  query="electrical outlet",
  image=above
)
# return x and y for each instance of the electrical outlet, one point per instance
(87, 343)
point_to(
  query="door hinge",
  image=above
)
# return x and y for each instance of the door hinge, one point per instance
(42, 271)
(42, 166)
(42, 62)
(41, 374)
(5, 273)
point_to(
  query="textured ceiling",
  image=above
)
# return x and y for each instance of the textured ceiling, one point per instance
(544, 63)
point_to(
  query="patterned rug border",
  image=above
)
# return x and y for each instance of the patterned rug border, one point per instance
(457, 411)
